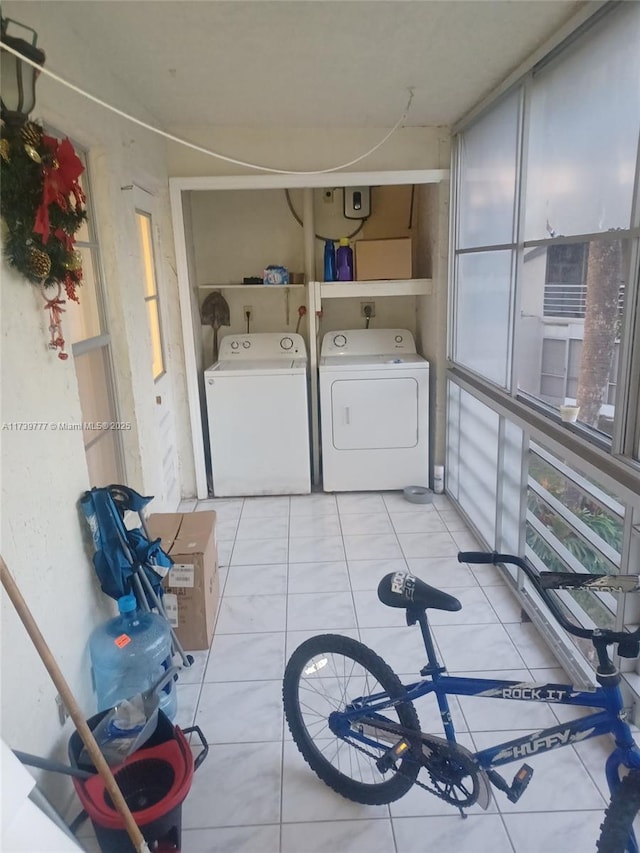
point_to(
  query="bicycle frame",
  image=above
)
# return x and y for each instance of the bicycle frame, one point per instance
(393, 742)
(609, 719)
(605, 721)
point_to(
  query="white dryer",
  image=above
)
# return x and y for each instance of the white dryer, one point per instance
(258, 416)
(374, 407)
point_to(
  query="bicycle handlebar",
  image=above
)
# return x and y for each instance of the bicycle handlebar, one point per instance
(545, 581)
(479, 557)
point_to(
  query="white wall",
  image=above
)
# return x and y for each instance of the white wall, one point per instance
(44, 472)
(237, 234)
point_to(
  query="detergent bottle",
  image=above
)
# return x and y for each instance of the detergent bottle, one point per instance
(329, 260)
(344, 260)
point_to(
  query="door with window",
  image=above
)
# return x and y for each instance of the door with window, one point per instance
(86, 328)
(152, 290)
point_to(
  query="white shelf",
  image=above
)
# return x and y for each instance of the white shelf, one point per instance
(395, 287)
(246, 286)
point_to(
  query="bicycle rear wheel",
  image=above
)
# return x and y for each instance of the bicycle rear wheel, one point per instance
(619, 816)
(325, 674)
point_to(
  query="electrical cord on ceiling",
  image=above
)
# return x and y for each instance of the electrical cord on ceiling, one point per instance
(320, 236)
(199, 148)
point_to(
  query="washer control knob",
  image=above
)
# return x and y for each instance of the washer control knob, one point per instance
(210, 381)
(286, 343)
(399, 339)
(339, 341)
(246, 344)
(234, 344)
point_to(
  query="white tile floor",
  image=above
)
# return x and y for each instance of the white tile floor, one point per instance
(292, 567)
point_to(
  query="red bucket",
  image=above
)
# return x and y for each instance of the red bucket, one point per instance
(154, 782)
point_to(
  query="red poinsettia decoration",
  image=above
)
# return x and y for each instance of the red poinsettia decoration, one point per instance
(61, 170)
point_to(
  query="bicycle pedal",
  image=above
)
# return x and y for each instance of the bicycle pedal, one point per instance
(517, 787)
(520, 782)
(388, 760)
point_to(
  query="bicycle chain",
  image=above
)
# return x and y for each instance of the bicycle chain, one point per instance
(426, 787)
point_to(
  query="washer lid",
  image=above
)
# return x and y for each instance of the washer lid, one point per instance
(264, 366)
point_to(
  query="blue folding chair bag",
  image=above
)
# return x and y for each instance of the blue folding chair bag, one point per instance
(127, 560)
(119, 551)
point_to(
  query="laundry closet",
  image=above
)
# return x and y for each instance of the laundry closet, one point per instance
(231, 236)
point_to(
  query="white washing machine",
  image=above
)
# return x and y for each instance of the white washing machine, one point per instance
(374, 407)
(258, 416)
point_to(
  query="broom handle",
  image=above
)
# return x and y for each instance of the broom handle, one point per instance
(72, 707)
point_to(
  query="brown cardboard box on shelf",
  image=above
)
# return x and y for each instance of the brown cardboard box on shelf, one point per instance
(383, 259)
(394, 213)
(192, 586)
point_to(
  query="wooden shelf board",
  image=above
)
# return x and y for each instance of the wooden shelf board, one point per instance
(399, 287)
(246, 286)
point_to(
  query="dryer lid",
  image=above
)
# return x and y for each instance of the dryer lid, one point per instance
(388, 361)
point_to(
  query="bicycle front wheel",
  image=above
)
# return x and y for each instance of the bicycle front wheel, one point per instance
(619, 816)
(326, 674)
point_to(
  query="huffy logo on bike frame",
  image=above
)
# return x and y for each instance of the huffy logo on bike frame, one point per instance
(535, 744)
(403, 584)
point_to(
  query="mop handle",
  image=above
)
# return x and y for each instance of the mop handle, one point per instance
(72, 707)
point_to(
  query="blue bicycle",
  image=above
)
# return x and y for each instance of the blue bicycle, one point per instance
(355, 724)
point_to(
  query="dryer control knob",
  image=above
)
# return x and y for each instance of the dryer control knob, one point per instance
(286, 343)
(399, 339)
(234, 344)
(339, 341)
(210, 381)
(246, 344)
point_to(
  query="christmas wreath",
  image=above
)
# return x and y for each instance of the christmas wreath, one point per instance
(42, 204)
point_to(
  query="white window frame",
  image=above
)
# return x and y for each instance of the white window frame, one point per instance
(101, 341)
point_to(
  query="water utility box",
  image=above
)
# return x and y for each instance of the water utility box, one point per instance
(357, 202)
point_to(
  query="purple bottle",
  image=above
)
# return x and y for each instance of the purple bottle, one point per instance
(344, 260)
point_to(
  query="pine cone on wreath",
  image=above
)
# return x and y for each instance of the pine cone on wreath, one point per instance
(39, 263)
(31, 134)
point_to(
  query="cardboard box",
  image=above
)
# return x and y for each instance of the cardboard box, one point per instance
(394, 213)
(383, 259)
(192, 587)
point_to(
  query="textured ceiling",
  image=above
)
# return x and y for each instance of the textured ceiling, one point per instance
(310, 64)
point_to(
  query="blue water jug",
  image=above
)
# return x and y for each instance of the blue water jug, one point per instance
(129, 654)
(329, 260)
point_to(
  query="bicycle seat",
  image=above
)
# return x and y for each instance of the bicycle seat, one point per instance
(400, 589)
